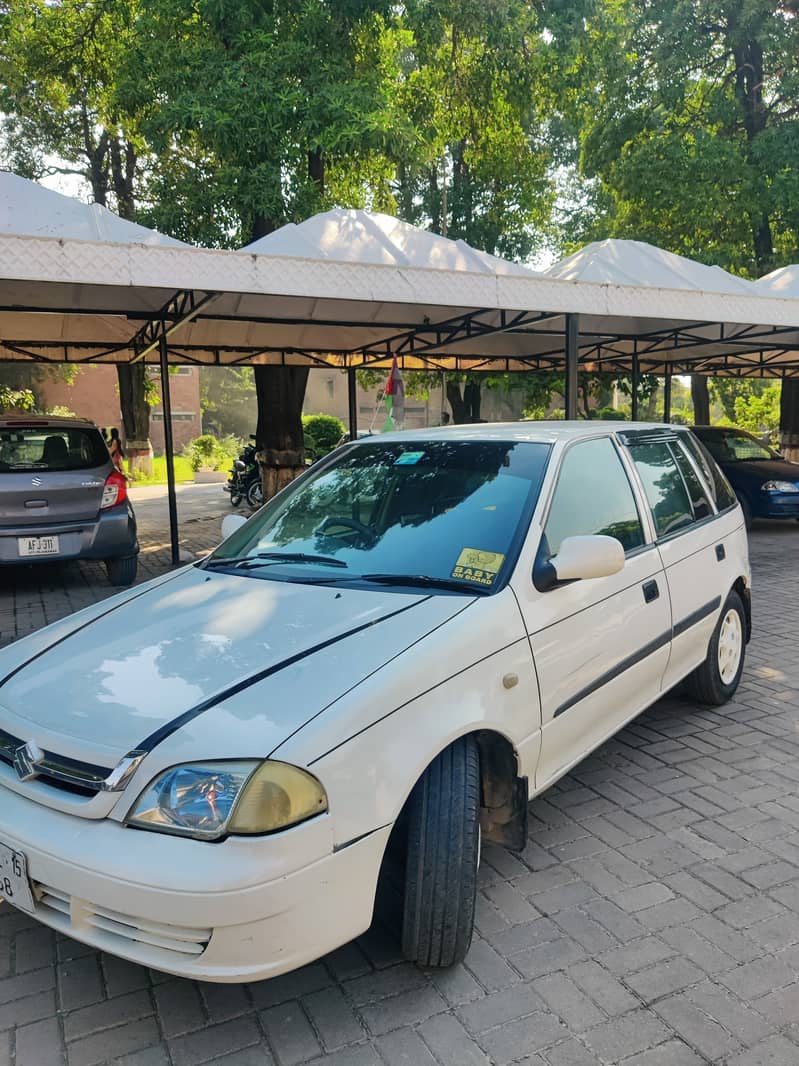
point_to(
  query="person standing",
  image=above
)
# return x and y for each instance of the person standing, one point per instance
(116, 449)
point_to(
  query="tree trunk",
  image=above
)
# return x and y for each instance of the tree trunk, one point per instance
(789, 419)
(278, 437)
(135, 416)
(701, 399)
(465, 402)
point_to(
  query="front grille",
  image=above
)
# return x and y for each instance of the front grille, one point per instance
(71, 775)
(67, 914)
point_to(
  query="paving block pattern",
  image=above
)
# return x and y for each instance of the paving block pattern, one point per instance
(653, 919)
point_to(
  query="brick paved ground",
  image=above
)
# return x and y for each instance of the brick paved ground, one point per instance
(653, 919)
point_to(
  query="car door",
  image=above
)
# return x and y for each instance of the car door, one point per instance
(600, 645)
(690, 539)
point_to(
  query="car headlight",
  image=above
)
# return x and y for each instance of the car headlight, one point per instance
(212, 800)
(780, 486)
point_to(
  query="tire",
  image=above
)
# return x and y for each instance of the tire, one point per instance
(715, 681)
(122, 571)
(443, 853)
(235, 499)
(746, 507)
(255, 494)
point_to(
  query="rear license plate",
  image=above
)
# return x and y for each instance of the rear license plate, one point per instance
(15, 887)
(37, 545)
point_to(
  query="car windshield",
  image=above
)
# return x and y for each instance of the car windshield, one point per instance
(733, 446)
(437, 513)
(50, 448)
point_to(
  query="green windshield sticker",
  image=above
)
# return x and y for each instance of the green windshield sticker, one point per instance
(478, 566)
(408, 458)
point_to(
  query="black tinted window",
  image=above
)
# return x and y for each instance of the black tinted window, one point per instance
(720, 486)
(664, 487)
(51, 448)
(699, 500)
(593, 495)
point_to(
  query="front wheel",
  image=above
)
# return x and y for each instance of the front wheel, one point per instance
(443, 853)
(715, 681)
(235, 499)
(122, 571)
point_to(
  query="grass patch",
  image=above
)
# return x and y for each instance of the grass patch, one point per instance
(183, 471)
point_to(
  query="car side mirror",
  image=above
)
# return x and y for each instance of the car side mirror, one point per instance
(580, 558)
(230, 523)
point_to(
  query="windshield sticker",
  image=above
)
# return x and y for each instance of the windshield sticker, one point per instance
(478, 566)
(408, 458)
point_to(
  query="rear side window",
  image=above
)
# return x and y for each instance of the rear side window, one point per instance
(593, 495)
(720, 487)
(674, 490)
(58, 448)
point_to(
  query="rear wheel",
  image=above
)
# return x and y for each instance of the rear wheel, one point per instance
(715, 681)
(122, 571)
(443, 853)
(255, 494)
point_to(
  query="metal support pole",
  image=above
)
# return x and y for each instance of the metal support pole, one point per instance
(572, 349)
(636, 383)
(667, 397)
(352, 402)
(169, 448)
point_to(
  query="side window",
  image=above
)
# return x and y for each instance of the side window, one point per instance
(719, 485)
(699, 499)
(593, 495)
(664, 487)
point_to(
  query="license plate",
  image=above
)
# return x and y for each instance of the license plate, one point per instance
(37, 545)
(15, 887)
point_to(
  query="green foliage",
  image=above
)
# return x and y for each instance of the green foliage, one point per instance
(688, 129)
(16, 399)
(760, 413)
(212, 453)
(322, 433)
(228, 401)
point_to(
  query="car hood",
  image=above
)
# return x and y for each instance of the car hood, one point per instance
(763, 470)
(181, 649)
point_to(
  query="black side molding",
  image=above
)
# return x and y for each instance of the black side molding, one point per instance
(616, 671)
(697, 616)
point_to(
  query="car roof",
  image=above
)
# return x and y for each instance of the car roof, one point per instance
(23, 421)
(547, 432)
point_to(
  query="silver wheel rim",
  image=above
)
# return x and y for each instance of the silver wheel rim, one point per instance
(730, 646)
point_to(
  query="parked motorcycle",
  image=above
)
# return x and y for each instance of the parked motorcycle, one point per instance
(244, 482)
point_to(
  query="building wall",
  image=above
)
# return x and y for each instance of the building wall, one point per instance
(94, 395)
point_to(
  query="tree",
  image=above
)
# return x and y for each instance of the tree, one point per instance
(689, 131)
(289, 105)
(58, 67)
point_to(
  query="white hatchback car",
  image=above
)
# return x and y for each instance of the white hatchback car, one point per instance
(208, 773)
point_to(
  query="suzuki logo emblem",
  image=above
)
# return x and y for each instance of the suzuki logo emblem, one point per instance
(25, 760)
(36, 481)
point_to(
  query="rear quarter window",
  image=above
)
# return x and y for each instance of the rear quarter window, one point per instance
(723, 494)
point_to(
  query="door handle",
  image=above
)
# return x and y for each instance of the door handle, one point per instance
(721, 554)
(651, 591)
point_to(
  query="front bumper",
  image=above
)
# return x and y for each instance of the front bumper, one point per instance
(245, 909)
(110, 535)
(778, 505)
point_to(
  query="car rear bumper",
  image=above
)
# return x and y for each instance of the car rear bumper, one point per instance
(244, 909)
(110, 535)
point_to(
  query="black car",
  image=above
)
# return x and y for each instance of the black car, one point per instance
(766, 484)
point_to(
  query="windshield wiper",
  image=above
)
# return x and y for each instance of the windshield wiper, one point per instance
(424, 581)
(249, 562)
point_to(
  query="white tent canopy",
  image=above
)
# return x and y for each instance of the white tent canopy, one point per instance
(348, 289)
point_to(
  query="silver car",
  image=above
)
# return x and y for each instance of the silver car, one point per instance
(61, 497)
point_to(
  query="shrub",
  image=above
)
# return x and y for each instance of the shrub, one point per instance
(212, 453)
(611, 414)
(322, 433)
